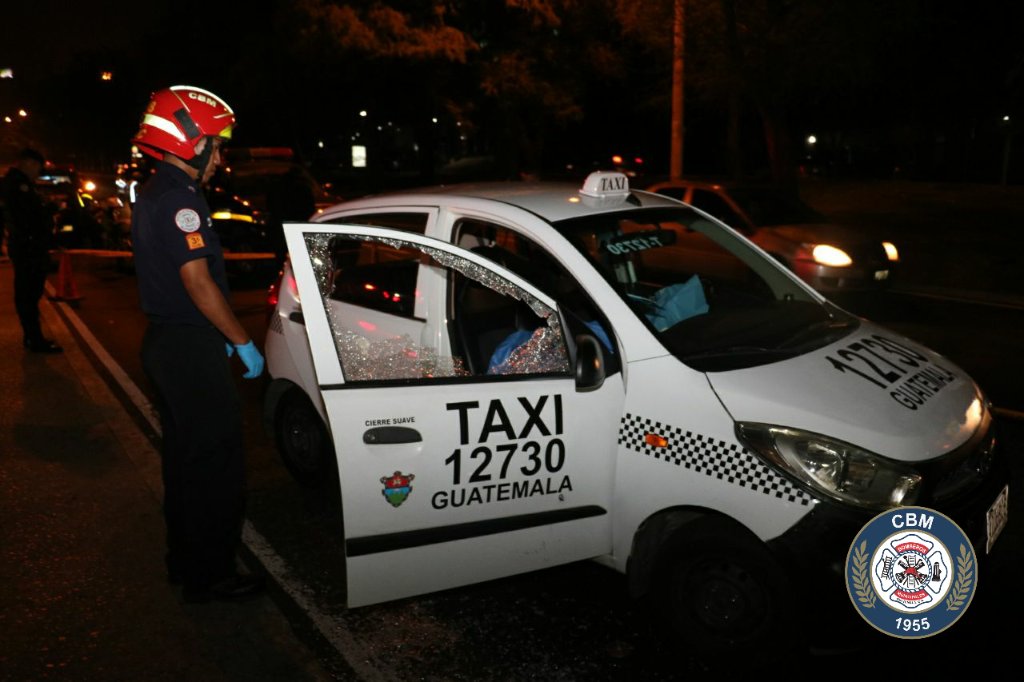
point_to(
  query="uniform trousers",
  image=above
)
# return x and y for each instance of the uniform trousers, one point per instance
(29, 283)
(203, 458)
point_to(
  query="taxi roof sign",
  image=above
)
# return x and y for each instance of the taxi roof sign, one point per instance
(604, 184)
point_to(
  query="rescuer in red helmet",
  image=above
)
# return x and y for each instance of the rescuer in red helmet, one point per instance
(191, 334)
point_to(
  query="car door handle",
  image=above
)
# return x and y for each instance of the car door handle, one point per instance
(384, 435)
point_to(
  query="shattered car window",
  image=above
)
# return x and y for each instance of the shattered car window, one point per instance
(401, 311)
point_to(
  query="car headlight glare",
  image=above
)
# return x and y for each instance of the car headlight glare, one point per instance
(890, 251)
(229, 215)
(833, 256)
(841, 471)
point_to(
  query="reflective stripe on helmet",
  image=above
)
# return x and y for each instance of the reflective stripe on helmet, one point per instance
(163, 124)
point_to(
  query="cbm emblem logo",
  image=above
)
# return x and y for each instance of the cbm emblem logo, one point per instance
(397, 487)
(911, 572)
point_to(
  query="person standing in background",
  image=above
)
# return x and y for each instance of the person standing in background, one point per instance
(30, 236)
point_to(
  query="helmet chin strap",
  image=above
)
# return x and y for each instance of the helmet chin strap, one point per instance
(202, 159)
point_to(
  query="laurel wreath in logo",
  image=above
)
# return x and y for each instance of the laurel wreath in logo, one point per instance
(964, 580)
(861, 581)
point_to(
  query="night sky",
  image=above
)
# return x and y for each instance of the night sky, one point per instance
(951, 68)
(41, 37)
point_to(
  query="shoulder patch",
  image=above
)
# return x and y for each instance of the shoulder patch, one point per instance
(195, 241)
(187, 220)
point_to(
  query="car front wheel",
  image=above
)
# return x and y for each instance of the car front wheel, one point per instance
(722, 592)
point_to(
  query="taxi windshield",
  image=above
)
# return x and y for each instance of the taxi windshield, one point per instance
(715, 302)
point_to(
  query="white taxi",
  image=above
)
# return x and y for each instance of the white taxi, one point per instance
(508, 377)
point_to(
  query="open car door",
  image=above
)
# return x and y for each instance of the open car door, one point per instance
(467, 448)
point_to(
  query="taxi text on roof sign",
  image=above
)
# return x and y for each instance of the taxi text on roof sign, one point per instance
(605, 184)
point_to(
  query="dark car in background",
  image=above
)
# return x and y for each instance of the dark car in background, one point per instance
(244, 232)
(249, 196)
(75, 214)
(256, 191)
(258, 174)
(827, 256)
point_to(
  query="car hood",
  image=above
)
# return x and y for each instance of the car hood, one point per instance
(874, 389)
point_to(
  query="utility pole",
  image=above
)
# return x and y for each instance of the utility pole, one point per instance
(678, 50)
(1007, 146)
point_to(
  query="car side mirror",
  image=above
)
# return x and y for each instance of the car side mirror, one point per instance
(590, 369)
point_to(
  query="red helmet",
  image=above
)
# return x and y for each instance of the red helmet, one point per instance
(179, 117)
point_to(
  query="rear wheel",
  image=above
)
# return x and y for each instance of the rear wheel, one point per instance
(303, 440)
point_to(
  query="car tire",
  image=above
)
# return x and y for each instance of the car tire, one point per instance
(303, 441)
(721, 592)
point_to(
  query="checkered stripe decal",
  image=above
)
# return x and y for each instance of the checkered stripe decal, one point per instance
(276, 325)
(728, 462)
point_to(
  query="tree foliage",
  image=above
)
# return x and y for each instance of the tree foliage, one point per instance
(410, 30)
(533, 77)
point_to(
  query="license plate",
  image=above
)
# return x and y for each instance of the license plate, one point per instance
(996, 517)
(881, 274)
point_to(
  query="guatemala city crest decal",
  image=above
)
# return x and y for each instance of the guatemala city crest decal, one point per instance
(397, 487)
(911, 572)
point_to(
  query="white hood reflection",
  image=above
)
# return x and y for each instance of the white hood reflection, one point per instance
(874, 389)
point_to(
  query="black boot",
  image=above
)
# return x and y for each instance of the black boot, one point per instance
(42, 345)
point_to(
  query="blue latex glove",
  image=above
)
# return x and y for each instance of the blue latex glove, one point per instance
(252, 358)
(230, 348)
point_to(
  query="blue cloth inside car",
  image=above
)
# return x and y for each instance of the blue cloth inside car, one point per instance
(505, 348)
(678, 302)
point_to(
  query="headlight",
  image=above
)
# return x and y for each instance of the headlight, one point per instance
(839, 470)
(890, 251)
(826, 254)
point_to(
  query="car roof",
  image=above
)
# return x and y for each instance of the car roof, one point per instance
(550, 200)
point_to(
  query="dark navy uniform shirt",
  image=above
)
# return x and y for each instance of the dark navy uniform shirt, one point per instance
(29, 220)
(171, 225)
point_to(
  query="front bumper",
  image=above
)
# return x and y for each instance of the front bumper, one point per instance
(814, 551)
(825, 278)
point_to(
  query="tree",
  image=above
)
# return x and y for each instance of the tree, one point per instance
(536, 80)
(517, 75)
(480, 65)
